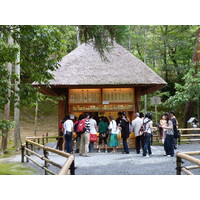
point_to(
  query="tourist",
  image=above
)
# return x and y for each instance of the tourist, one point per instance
(60, 141)
(118, 120)
(68, 129)
(137, 123)
(163, 122)
(147, 137)
(93, 130)
(103, 136)
(85, 137)
(175, 128)
(125, 132)
(169, 139)
(78, 134)
(113, 136)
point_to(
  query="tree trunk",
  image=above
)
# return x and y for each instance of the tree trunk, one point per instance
(7, 105)
(36, 118)
(3, 142)
(17, 139)
(189, 106)
(78, 36)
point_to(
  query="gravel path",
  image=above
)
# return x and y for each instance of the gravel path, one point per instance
(123, 164)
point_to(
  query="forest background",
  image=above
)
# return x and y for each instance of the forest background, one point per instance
(27, 53)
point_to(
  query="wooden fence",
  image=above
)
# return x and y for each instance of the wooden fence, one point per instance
(29, 147)
(187, 156)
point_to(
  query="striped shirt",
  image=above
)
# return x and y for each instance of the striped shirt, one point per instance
(87, 126)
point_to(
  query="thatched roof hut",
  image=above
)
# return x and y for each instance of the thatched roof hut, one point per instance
(83, 68)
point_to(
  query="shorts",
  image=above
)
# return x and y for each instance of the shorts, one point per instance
(103, 139)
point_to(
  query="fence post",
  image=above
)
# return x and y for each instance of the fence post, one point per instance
(178, 165)
(22, 159)
(72, 168)
(27, 160)
(42, 139)
(45, 162)
(47, 140)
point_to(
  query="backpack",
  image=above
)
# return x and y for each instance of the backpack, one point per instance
(76, 127)
(81, 126)
(142, 130)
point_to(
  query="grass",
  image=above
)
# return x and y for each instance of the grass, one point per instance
(16, 169)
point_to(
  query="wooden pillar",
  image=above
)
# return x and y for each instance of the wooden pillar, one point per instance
(67, 102)
(137, 99)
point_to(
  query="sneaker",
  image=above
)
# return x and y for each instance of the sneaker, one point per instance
(87, 155)
(168, 156)
(99, 151)
(147, 156)
(106, 151)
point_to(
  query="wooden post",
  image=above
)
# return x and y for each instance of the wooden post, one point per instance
(47, 140)
(45, 162)
(72, 168)
(178, 165)
(38, 143)
(42, 139)
(27, 160)
(22, 153)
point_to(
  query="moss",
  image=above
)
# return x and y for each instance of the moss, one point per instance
(16, 169)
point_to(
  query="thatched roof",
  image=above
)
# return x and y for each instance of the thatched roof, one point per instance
(83, 67)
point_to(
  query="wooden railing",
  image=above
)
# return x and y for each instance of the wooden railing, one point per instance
(189, 137)
(187, 156)
(184, 137)
(29, 147)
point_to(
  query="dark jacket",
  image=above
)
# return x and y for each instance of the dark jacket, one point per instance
(125, 129)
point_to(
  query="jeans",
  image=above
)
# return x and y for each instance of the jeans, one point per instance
(169, 145)
(68, 140)
(125, 145)
(139, 143)
(91, 147)
(147, 146)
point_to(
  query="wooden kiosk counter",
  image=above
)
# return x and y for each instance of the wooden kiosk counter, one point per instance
(88, 84)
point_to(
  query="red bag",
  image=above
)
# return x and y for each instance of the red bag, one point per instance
(93, 137)
(81, 126)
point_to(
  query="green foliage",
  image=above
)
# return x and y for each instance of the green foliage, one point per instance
(187, 92)
(102, 36)
(6, 125)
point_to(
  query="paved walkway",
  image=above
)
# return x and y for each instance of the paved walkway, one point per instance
(123, 164)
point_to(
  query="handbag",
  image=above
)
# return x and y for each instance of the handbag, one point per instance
(93, 137)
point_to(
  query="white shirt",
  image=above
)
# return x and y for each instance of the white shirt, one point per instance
(113, 126)
(148, 125)
(137, 123)
(92, 126)
(68, 126)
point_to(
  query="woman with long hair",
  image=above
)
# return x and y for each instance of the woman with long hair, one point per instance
(147, 137)
(113, 136)
(169, 139)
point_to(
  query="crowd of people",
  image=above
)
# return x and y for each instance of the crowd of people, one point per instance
(87, 127)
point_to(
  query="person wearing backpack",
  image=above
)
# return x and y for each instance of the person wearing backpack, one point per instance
(84, 128)
(78, 137)
(137, 123)
(175, 128)
(68, 128)
(169, 139)
(146, 132)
